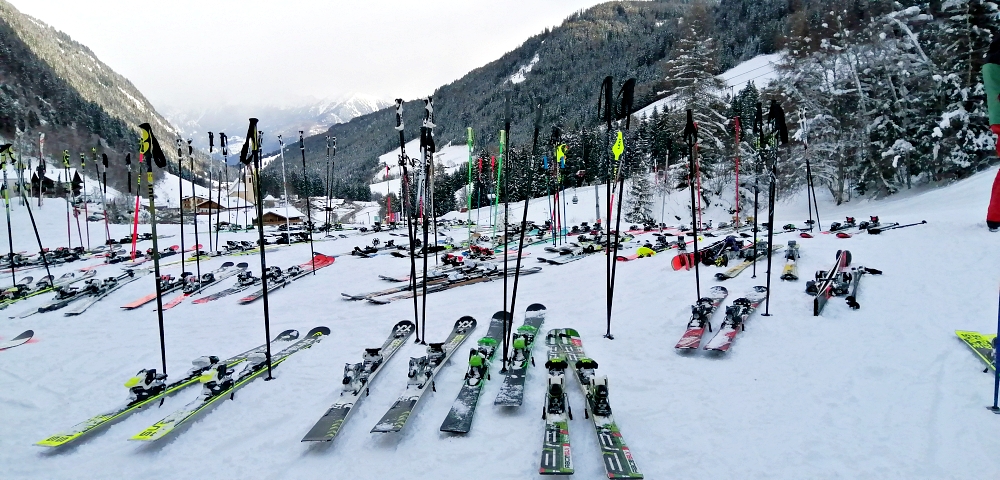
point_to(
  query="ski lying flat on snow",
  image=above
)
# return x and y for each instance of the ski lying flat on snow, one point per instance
(557, 455)
(357, 380)
(736, 317)
(421, 374)
(512, 391)
(618, 460)
(459, 281)
(738, 268)
(225, 271)
(459, 419)
(18, 340)
(981, 344)
(701, 318)
(94, 423)
(307, 268)
(64, 281)
(791, 271)
(81, 307)
(181, 417)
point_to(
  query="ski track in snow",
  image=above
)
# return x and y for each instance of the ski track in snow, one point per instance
(887, 391)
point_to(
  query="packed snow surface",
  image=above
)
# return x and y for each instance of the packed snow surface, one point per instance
(887, 391)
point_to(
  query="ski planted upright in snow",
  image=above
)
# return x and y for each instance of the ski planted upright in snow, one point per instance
(219, 384)
(459, 419)
(357, 380)
(148, 396)
(512, 390)
(421, 375)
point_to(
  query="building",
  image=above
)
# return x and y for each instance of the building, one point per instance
(276, 216)
(54, 182)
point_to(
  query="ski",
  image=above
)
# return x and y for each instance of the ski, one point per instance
(512, 390)
(757, 254)
(358, 378)
(618, 461)
(21, 339)
(459, 418)
(62, 282)
(108, 287)
(701, 318)
(167, 284)
(306, 268)
(736, 318)
(421, 374)
(194, 286)
(981, 345)
(455, 281)
(791, 270)
(220, 384)
(557, 455)
(825, 282)
(137, 402)
(244, 281)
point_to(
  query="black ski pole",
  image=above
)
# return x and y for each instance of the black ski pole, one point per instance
(194, 202)
(309, 222)
(6, 199)
(250, 158)
(6, 149)
(778, 134)
(149, 150)
(627, 93)
(409, 213)
(211, 171)
(758, 130)
(504, 155)
(524, 223)
(876, 231)
(427, 146)
(691, 138)
(180, 194)
(606, 94)
(225, 171)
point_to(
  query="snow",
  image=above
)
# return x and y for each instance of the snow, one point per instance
(521, 74)
(887, 391)
(760, 70)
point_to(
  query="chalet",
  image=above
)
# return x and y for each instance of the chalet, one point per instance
(54, 183)
(276, 216)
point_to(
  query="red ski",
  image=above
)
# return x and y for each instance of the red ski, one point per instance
(701, 318)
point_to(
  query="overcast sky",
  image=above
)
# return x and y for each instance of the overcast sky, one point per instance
(229, 51)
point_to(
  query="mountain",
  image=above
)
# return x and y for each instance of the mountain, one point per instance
(312, 116)
(54, 85)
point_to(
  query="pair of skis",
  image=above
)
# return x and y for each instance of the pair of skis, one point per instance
(735, 321)
(319, 261)
(112, 416)
(823, 286)
(454, 281)
(791, 270)
(64, 281)
(565, 350)
(190, 287)
(209, 398)
(760, 251)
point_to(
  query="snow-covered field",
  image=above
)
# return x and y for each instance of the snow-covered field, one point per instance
(883, 392)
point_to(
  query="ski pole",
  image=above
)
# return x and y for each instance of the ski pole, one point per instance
(408, 212)
(691, 138)
(309, 222)
(876, 231)
(778, 134)
(627, 94)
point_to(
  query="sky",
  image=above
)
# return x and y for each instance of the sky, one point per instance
(256, 52)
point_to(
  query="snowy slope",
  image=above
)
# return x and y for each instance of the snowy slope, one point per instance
(883, 392)
(760, 70)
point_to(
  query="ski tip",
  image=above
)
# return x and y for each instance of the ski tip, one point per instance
(404, 327)
(318, 331)
(227, 264)
(536, 307)
(287, 335)
(243, 265)
(466, 323)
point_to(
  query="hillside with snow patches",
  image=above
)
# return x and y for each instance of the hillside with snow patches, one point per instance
(886, 391)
